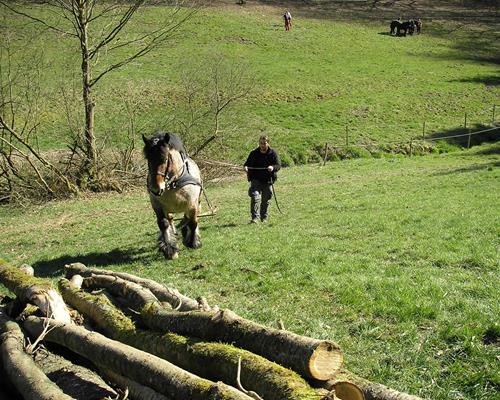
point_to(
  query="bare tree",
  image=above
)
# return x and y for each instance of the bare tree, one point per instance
(99, 28)
(209, 88)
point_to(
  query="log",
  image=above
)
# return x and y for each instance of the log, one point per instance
(135, 390)
(371, 390)
(75, 380)
(311, 358)
(20, 368)
(317, 359)
(163, 293)
(215, 361)
(29, 289)
(134, 364)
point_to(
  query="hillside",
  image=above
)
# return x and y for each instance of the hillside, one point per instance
(337, 73)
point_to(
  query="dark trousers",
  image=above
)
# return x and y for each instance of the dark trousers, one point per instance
(260, 193)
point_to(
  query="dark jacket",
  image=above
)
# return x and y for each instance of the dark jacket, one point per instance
(256, 159)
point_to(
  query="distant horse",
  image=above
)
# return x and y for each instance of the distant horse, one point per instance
(174, 186)
(418, 25)
(395, 26)
(402, 28)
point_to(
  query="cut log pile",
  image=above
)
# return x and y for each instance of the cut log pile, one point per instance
(107, 335)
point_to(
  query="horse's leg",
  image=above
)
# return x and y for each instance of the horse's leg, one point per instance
(167, 239)
(190, 231)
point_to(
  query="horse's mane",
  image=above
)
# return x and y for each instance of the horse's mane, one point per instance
(171, 139)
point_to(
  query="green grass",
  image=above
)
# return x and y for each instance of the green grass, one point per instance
(395, 259)
(312, 82)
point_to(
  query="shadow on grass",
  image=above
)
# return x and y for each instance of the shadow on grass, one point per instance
(491, 80)
(55, 266)
(460, 137)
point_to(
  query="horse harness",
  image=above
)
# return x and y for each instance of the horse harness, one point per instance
(184, 179)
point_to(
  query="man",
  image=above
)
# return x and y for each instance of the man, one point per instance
(261, 165)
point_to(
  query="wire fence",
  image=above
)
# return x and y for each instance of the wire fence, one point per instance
(421, 138)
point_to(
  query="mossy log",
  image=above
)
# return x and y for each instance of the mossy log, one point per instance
(318, 359)
(20, 368)
(311, 358)
(137, 365)
(135, 390)
(216, 361)
(371, 390)
(172, 296)
(30, 289)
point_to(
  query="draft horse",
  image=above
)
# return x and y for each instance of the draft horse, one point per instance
(174, 186)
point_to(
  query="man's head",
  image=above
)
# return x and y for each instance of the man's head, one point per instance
(263, 144)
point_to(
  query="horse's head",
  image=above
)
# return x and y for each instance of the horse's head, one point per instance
(163, 153)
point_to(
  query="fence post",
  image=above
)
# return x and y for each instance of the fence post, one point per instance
(423, 131)
(346, 136)
(326, 152)
(465, 121)
(493, 116)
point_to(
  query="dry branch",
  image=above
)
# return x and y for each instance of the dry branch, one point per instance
(371, 390)
(163, 293)
(29, 289)
(22, 371)
(214, 361)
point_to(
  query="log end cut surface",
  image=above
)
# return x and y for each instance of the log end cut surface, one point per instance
(326, 361)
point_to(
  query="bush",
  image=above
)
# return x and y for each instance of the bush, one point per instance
(286, 160)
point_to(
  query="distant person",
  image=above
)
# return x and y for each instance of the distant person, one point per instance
(288, 20)
(262, 166)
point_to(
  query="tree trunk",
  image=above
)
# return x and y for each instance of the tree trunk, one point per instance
(137, 365)
(163, 293)
(76, 381)
(371, 390)
(90, 147)
(215, 361)
(27, 378)
(29, 289)
(311, 358)
(136, 391)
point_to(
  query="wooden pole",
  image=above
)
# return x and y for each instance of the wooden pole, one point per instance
(493, 116)
(346, 136)
(423, 131)
(465, 121)
(326, 153)
(410, 147)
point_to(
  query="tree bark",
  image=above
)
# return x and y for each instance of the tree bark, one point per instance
(75, 380)
(371, 390)
(311, 358)
(29, 289)
(163, 293)
(215, 361)
(22, 371)
(136, 391)
(137, 365)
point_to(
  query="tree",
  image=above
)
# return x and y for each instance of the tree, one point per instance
(99, 28)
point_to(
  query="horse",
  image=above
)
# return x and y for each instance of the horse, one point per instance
(174, 185)
(395, 26)
(405, 27)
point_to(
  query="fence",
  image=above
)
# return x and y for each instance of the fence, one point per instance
(424, 138)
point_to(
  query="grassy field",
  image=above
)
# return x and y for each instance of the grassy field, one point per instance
(310, 83)
(395, 259)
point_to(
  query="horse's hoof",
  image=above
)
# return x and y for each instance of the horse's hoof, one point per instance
(174, 256)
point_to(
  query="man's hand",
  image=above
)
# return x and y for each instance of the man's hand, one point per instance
(246, 168)
(270, 168)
